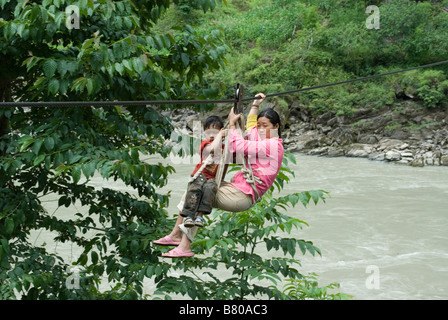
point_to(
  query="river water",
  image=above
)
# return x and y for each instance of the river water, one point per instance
(382, 231)
(383, 221)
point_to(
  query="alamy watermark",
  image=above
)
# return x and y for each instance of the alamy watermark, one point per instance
(373, 21)
(185, 147)
(73, 280)
(72, 20)
(373, 280)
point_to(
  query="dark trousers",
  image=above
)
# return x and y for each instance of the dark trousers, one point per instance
(199, 197)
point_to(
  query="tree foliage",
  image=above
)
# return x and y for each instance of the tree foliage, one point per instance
(55, 152)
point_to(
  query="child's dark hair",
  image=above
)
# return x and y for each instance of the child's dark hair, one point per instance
(213, 121)
(273, 117)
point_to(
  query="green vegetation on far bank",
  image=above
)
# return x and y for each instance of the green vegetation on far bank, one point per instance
(281, 45)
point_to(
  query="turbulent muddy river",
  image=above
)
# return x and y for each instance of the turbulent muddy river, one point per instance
(383, 230)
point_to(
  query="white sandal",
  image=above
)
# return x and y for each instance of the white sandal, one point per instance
(188, 222)
(199, 222)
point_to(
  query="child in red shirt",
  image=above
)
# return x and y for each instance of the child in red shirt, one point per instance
(200, 192)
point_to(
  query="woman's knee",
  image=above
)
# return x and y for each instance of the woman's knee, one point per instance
(231, 199)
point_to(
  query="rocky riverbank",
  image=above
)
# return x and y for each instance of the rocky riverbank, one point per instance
(405, 134)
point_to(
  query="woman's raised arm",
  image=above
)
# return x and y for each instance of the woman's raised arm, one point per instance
(256, 104)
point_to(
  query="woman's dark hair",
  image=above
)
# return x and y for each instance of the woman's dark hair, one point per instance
(273, 117)
(213, 121)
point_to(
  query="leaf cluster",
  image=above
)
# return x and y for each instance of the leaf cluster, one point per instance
(113, 55)
(57, 155)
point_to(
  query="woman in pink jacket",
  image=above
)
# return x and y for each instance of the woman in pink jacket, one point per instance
(264, 150)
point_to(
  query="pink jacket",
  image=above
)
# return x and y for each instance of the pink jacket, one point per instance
(265, 157)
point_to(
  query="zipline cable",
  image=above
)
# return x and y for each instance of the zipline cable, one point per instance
(350, 81)
(167, 102)
(107, 103)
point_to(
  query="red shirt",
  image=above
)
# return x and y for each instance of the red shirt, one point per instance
(209, 170)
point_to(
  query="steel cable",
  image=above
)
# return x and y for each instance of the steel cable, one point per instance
(180, 102)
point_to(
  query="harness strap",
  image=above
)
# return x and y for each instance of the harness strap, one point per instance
(206, 162)
(251, 178)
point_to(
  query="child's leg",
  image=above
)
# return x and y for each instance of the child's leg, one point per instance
(193, 199)
(209, 190)
(205, 206)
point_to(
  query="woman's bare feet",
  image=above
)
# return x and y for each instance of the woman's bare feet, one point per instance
(175, 237)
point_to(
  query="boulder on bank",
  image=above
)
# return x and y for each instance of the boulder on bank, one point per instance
(392, 155)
